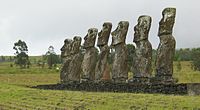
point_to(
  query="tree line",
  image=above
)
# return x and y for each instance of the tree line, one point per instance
(21, 57)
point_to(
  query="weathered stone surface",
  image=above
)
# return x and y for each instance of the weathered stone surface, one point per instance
(76, 44)
(72, 60)
(66, 57)
(74, 68)
(166, 48)
(104, 34)
(193, 89)
(119, 34)
(102, 69)
(180, 89)
(66, 48)
(167, 22)
(90, 38)
(142, 61)
(90, 57)
(120, 67)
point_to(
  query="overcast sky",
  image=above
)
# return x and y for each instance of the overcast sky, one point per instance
(41, 23)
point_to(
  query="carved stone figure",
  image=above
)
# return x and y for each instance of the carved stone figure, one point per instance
(74, 68)
(120, 67)
(66, 57)
(102, 70)
(166, 48)
(90, 57)
(71, 67)
(142, 63)
(66, 48)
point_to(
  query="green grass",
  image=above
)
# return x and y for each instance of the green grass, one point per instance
(15, 93)
(186, 75)
(6, 69)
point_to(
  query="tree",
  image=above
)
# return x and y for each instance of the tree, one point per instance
(21, 58)
(52, 58)
(183, 54)
(3, 58)
(196, 59)
(178, 66)
(10, 59)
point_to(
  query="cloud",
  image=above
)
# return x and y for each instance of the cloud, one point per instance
(41, 23)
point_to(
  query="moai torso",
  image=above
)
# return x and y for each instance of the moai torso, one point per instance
(120, 67)
(102, 70)
(66, 58)
(90, 57)
(142, 64)
(74, 68)
(166, 48)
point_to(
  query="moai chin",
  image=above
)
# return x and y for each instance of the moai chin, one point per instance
(102, 69)
(120, 67)
(142, 63)
(66, 58)
(74, 68)
(166, 48)
(90, 57)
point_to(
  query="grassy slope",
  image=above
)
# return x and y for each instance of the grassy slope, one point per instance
(16, 94)
(186, 75)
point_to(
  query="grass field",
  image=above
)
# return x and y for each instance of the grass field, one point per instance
(15, 93)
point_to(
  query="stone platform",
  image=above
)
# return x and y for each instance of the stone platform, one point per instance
(179, 89)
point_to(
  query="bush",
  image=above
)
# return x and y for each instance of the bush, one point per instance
(196, 59)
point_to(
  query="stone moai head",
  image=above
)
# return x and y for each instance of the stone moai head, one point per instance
(104, 34)
(76, 44)
(167, 22)
(90, 38)
(142, 28)
(119, 34)
(65, 50)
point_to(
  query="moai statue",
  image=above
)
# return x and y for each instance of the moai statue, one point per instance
(74, 68)
(166, 48)
(102, 70)
(66, 58)
(142, 63)
(90, 57)
(120, 66)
